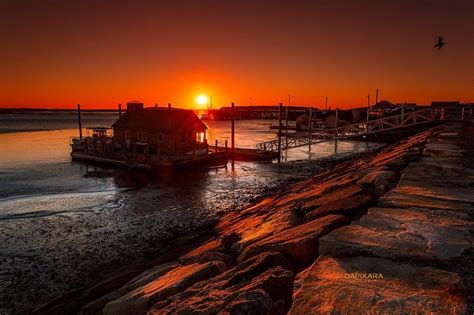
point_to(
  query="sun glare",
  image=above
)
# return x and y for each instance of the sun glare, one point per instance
(202, 100)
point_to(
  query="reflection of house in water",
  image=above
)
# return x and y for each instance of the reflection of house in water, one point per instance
(160, 131)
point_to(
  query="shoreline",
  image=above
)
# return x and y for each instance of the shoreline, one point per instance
(266, 257)
(301, 168)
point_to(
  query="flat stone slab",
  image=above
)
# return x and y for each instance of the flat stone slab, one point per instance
(142, 279)
(442, 149)
(299, 244)
(441, 170)
(224, 293)
(449, 135)
(364, 285)
(346, 206)
(139, 300)
(426, 189)
(402, 234)
(404, 199)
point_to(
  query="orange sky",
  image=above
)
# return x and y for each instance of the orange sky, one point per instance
(57, 53)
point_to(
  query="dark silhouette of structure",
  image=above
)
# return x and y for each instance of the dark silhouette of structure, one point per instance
(440, 43)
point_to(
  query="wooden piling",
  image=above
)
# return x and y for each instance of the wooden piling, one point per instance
(79, 120)
(310, 126)
(216, 145)
(280, 109)
(368, 113)
(337, 132)
(232, 139)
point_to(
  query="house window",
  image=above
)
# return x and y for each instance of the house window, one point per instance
(161, 137)
(127, 134)
(200, 137)
(142, 136)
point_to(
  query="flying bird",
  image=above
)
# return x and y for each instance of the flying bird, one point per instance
(440, 43)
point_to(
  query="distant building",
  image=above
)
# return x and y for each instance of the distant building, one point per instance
(407, 106)
(157, 131)
(302, 122)
(445, 104)
(344, 117)
(384, 106)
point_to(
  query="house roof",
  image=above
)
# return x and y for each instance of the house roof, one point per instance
(161, 119)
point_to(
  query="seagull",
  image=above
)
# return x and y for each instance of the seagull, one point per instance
(440, 43)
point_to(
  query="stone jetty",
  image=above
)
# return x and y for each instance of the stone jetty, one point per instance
(389, 233)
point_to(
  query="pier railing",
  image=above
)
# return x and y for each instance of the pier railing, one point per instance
(403, 120)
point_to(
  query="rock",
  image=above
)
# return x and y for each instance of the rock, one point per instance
(253, 227)
(426, 189)
(147, 276)
(335, 195)
(265, 272)
(438, 174)
(402, 234)
(443, 149)
(299, 244)
(193, 255)
(139, 300)
(249, 302)
(403, 198)
(449, 135)
(338, 286)
(381, 181)
(180, 246)
(347, 206)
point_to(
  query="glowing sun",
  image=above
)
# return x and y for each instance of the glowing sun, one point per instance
(202, 100)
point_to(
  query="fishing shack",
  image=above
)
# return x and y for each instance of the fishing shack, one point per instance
(151, 137)
(154, 132)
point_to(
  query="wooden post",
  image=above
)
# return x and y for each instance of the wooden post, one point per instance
(280, 109)
(120, 110)
(232, 127)
(462, 113)
(216, 145)
(309, 127)
(79, 120)
(337, 132)
(286, 119)
(368, 113)
(226, 146)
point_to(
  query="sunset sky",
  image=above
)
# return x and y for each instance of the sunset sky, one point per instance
(57, 53)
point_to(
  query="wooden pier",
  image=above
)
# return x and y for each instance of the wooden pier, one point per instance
(370, 127)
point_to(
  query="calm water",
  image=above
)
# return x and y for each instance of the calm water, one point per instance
(62, 222)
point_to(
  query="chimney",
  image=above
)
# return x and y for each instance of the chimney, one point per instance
(134, 106)
(169, 105)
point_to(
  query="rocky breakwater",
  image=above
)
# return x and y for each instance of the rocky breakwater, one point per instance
(412, 253)
(249, 262)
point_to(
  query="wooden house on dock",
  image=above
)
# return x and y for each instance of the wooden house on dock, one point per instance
(160, 131)
(150, 138)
